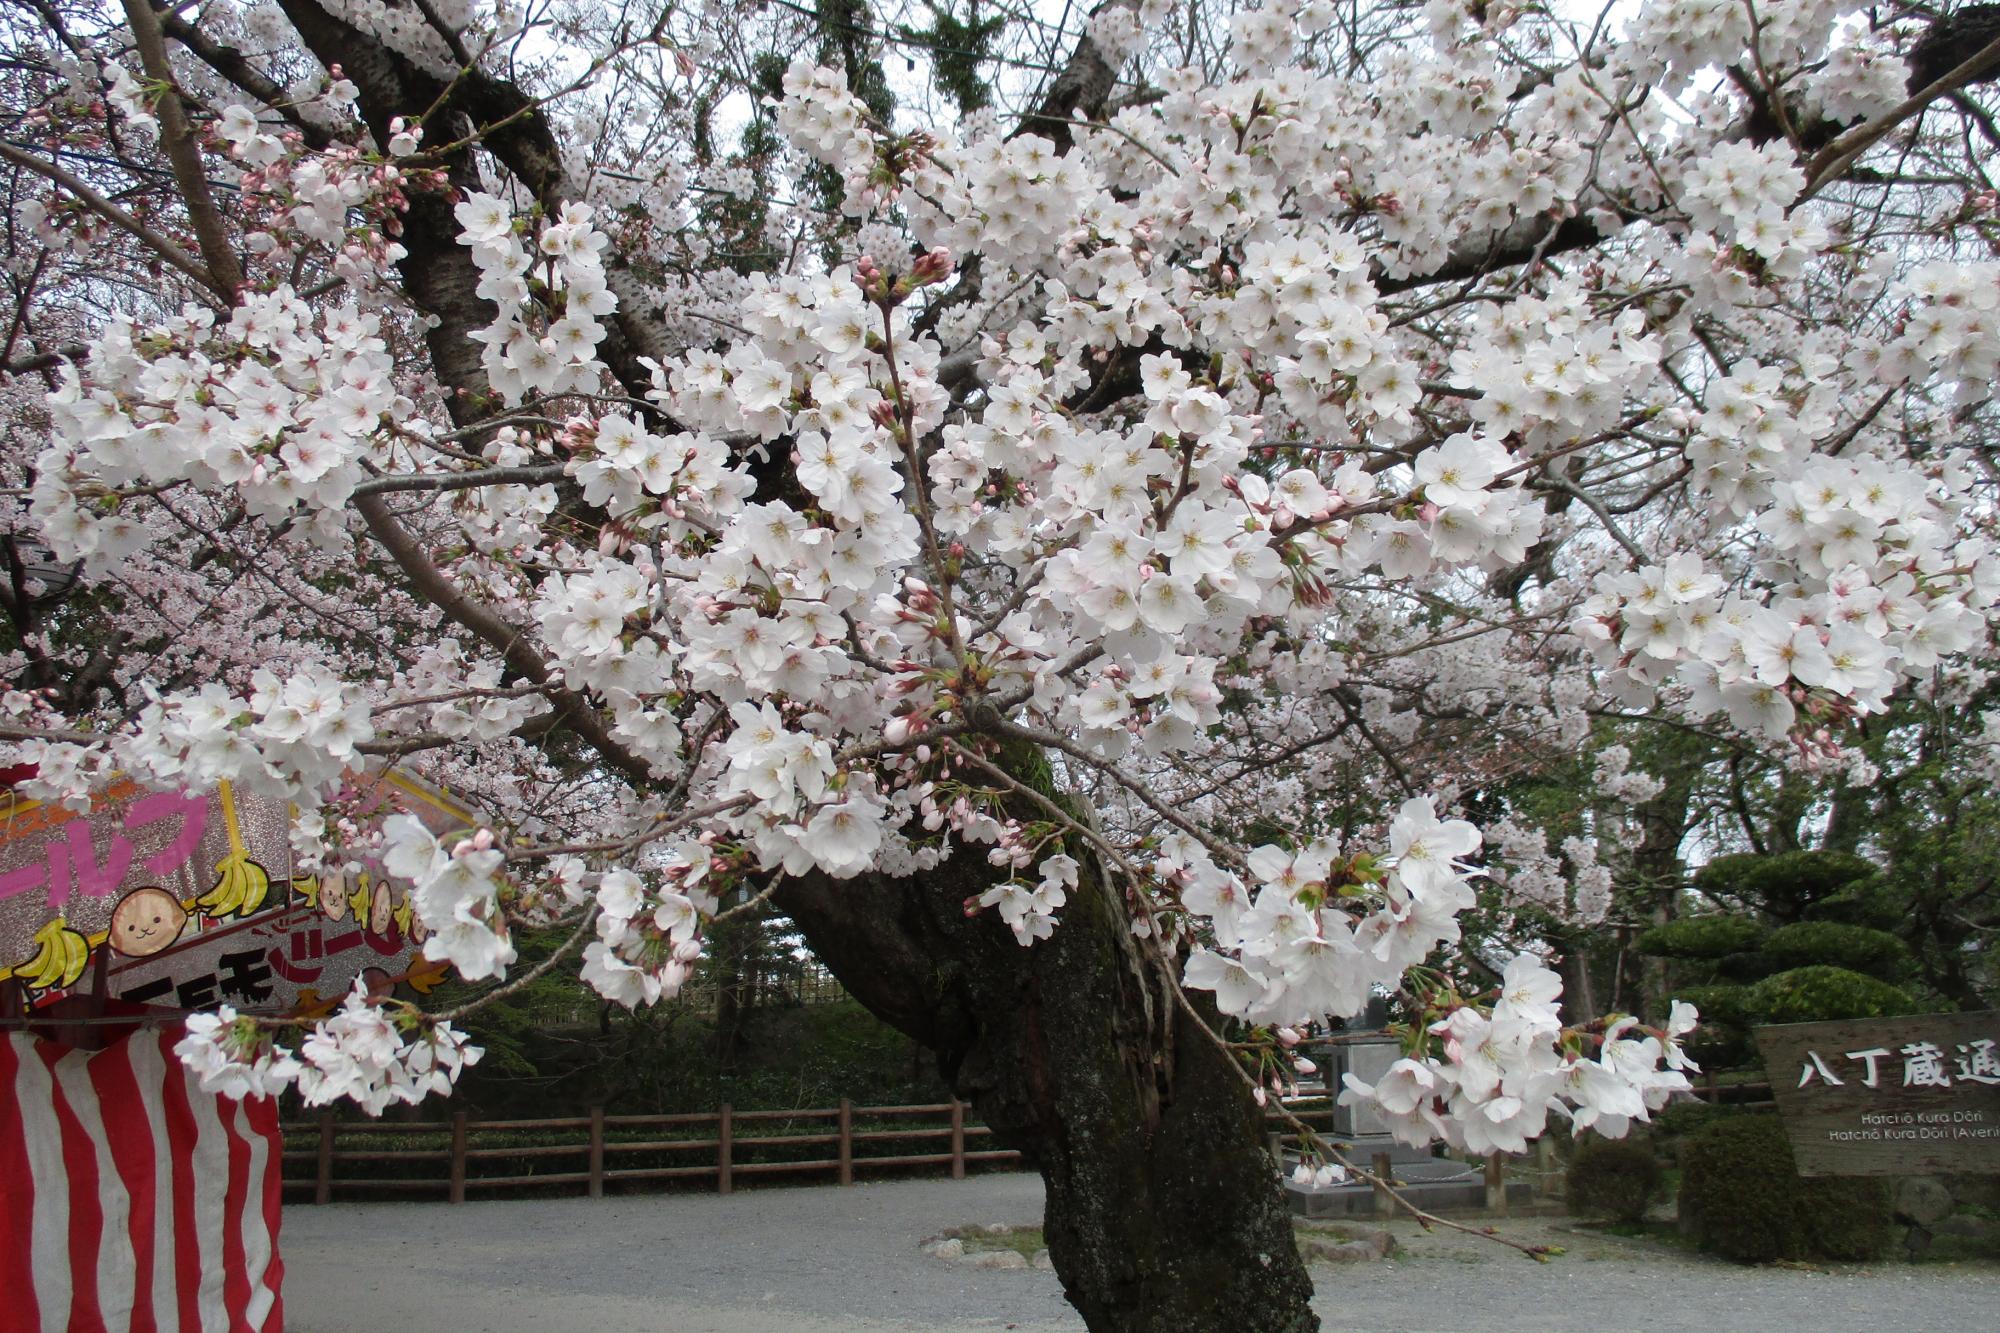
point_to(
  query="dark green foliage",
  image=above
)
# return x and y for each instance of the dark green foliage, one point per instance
(1676, 1122)
(1718, 1004)
(1746, 966)
(957, 48)
(1783, 886)
(1856, 948)
(1874, 903)
(1701, 937)
(1614, 1179)
(1741, 1197)
(1820, 993)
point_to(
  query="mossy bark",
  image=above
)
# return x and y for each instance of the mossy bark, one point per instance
(1164, 1212)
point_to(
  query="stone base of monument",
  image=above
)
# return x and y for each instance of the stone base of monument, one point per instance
(1434, 1184)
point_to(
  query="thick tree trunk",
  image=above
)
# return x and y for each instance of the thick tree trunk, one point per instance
(1657, 870)
(1164, 1213)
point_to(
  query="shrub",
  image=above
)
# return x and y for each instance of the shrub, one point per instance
(1870, 902)
(1748, 965)
(1741, 1197)
(1718, 1004)
(1681, 1118)
(1723, 1039)
(1856, 948)
(1821, 993)
(1786, 884)
(1700, 937)
(1614, 1179)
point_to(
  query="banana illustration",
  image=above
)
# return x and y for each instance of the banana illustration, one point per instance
(59, 960)
(241, 884)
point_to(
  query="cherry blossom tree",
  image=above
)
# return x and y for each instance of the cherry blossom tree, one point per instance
(1078, 551)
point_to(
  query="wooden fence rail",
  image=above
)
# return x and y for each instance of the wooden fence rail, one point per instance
(452, 1155)
(1716, 1093)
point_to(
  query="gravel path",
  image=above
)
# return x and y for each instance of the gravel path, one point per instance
(821, 1260)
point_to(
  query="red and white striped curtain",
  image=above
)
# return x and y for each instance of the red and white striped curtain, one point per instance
(129, 1198)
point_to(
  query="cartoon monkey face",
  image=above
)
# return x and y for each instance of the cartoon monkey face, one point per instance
(381, 910)
(145, 922)
(333, 895)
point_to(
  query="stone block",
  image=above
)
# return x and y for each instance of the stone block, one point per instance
(1923, 1200)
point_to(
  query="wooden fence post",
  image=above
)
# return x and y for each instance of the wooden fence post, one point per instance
(1385, 1203)
(957, 1139)
(1496, 1184)
(596, 1152)
(846, 1142)
(458, 1156)
(323, 1177)
(1545, 1162)
(723, 1135)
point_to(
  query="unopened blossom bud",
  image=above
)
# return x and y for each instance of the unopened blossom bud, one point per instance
(931, 267)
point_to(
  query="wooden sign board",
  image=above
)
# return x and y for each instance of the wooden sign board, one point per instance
(1889, 1096)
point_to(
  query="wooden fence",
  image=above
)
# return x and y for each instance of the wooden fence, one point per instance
(454, 1157)
(1717, 1093)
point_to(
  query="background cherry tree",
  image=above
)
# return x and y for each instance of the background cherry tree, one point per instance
(1077, 517)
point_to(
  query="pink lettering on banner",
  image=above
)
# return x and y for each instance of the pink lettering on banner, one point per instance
(59, 876)
(70, 861)
(193, 813)
(94, 879)
(22, 879)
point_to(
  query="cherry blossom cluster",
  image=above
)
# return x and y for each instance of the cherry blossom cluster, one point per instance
(649, 935)
(280, 403)
(455, 892)
(824, 119)
(1573, 885)
(1484, 1078)
(1320, 930)
(370, 1052)
(1031, 912)
(555, 353)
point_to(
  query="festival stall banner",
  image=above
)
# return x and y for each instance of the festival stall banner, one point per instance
(303, 957)
(294, 960)
(130, 1198)
(137, 872)
(224, 924)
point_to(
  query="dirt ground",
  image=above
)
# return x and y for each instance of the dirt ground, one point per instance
(829, 1260)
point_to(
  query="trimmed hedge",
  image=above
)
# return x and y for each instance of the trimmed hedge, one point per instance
(1614, 1179)
(1876, 953)
(1701, 937)
(1788, 885)
(1821, 993)
(1741, 1197)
